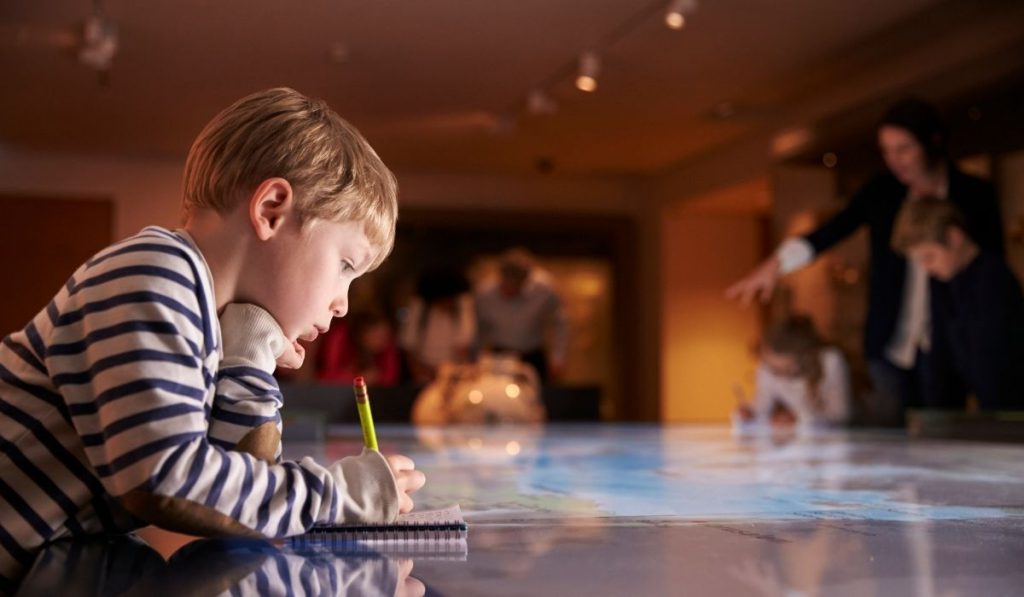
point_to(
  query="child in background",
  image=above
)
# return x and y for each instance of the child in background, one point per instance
(981, 308)
(801, 381)
(142, 393)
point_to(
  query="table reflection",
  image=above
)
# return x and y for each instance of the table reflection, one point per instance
(126, 565)
(631, 510)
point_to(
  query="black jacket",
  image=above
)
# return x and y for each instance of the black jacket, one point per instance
(983, 316)
(876, 205)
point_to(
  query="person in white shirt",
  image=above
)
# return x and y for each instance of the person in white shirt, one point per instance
(801, 380)
(521, 314)
(439, 325)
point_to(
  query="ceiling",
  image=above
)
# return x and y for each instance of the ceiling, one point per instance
(434, 84)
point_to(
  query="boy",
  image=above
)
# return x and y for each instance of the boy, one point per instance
(143, 392)
(980, 306)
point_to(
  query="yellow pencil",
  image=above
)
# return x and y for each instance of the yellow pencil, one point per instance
(365, 418)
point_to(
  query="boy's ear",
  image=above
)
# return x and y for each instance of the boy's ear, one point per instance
(271, 204)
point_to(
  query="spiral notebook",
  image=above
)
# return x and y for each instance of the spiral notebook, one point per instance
(427, 533)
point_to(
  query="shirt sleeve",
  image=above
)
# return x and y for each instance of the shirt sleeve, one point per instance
(793, 254)
(247, 394)
(127, 353)
(848, 220)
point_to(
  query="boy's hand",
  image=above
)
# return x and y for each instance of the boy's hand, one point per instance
(292, 357)
(408, 586)
(408, 478)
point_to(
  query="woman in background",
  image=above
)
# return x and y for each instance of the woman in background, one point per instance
(907, 360)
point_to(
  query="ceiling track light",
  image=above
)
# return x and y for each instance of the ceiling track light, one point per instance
(99, 41)
(590, 67)
(540, 103)
(675, 13)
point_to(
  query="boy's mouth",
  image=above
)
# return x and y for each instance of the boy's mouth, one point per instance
(312, 334)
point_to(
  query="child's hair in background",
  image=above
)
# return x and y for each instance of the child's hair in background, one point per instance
(924, 220)
(334, 173)
(797, 337)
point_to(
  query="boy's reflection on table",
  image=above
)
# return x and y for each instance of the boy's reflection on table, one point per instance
(126, 565)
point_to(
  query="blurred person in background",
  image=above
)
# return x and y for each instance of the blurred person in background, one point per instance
(801, 380)
(983, 307)
(439, 325)
(908, 363)
(520, 313)
(361, 344)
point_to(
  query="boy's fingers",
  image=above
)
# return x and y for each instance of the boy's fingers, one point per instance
(414, 480)
(405, 503)
(401, 463)
(404, 568)
(293, 357)
(412, 587)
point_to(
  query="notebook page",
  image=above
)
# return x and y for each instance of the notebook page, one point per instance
(450, 514)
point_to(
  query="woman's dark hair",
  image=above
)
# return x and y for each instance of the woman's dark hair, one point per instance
(921, 120)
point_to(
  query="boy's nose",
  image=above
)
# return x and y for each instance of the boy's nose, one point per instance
(339, 307)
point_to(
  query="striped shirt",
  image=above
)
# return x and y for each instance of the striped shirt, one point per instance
(120, 384)
(243, 567)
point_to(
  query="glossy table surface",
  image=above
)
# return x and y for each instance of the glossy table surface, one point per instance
(636, 510)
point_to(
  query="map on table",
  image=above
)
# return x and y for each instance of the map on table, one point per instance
(680, 475)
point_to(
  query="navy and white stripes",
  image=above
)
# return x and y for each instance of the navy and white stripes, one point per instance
(116, 385)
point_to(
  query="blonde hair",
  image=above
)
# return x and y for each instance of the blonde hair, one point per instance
(925, 220)
(334, 173)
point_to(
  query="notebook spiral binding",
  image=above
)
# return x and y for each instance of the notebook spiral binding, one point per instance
(445, 541)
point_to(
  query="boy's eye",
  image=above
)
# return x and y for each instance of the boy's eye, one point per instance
(347, 267)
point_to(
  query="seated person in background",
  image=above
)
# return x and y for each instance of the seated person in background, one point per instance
(801, 381)
(982, 308)
(440, 324)
(362, 344)
(521, 314)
